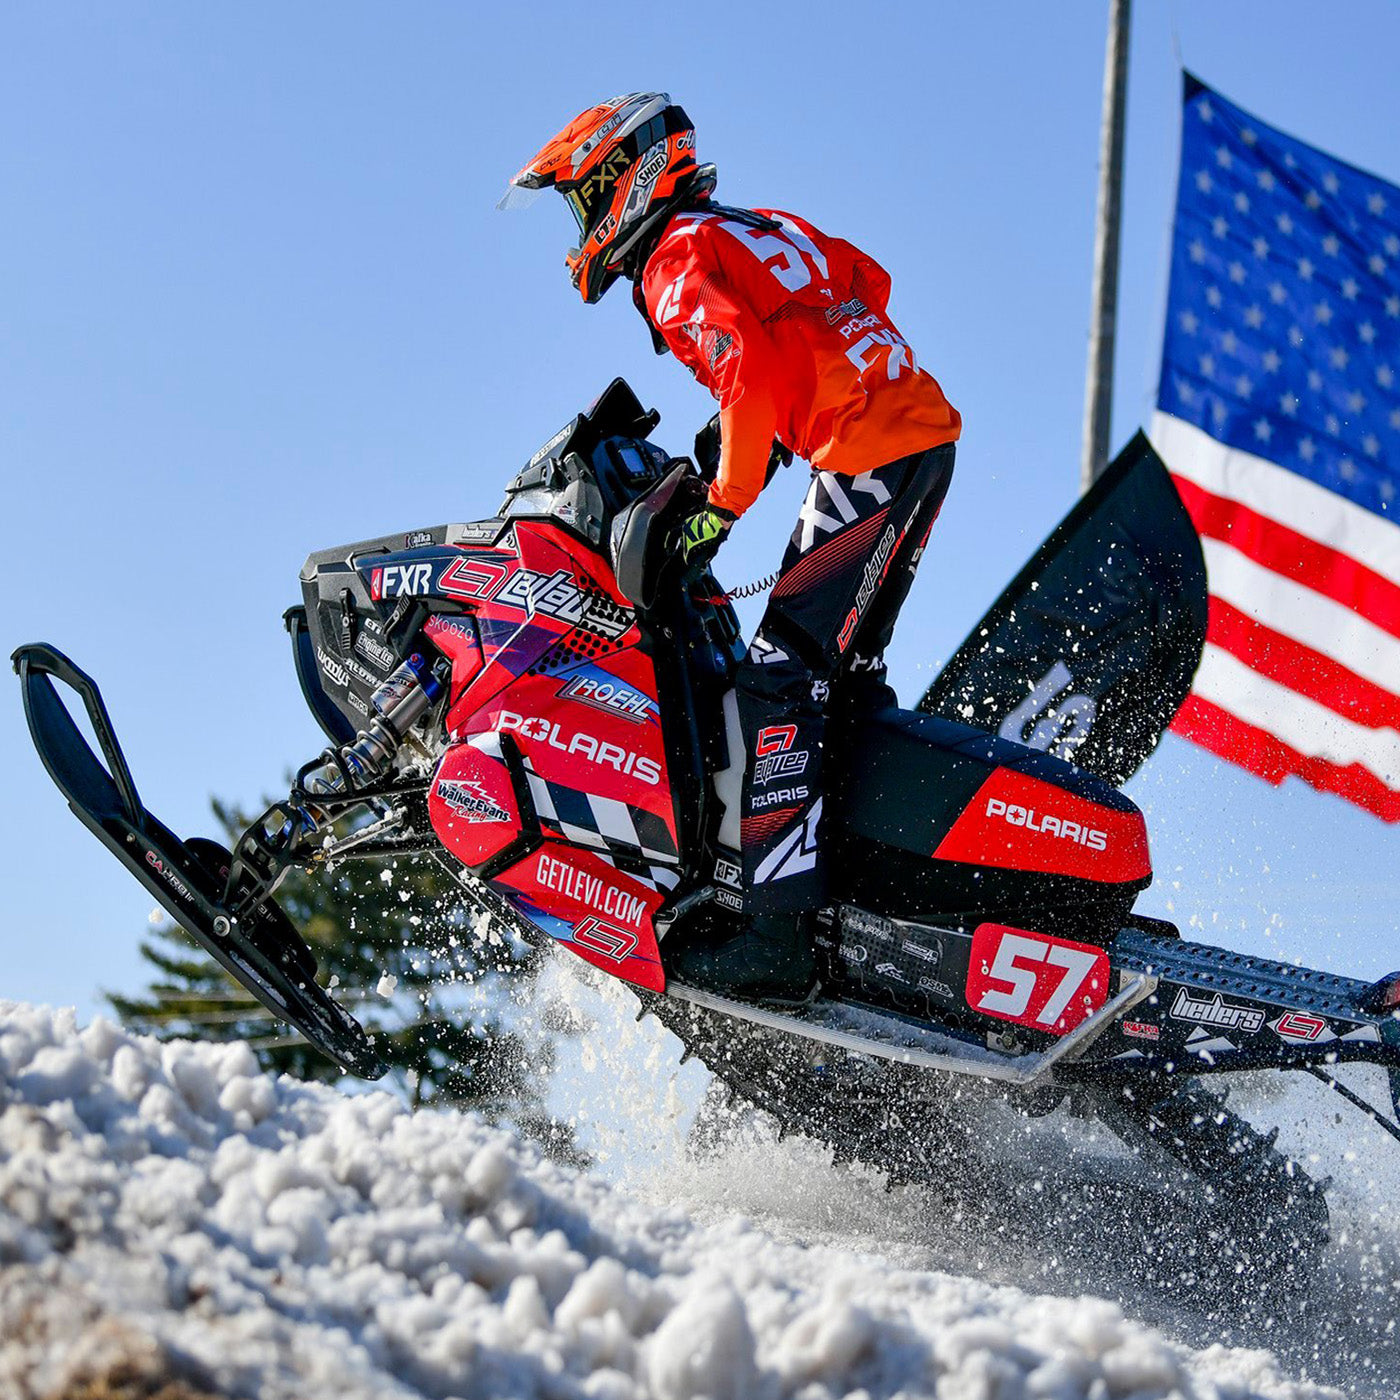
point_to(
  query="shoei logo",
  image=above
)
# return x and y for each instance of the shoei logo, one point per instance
(1043, 822)
(653, 164)
(586, 746)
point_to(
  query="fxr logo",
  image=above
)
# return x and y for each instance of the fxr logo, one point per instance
(400, 581)
(1027, 817)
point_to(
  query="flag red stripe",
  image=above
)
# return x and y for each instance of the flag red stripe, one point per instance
(1236, 741)
(1301, 668)
(1293, 555)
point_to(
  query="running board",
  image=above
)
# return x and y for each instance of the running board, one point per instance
(862, 1030)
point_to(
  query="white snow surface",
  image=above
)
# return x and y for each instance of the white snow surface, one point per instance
(172, 1214)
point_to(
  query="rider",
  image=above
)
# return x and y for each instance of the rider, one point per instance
(787, 329)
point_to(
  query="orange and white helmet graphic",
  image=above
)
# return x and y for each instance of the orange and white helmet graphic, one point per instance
(621, 166)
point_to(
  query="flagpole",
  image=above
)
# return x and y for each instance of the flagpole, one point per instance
(1098, 389)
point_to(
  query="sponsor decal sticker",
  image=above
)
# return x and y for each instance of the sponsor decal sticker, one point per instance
(413, 580)
(939, 989)
(375, 652)
(417, 538)
(780, 765)
(1300, 1027)
(587, 746)
(611, 696)
(469, 801)
(777, 738)
(1216, 1012)
(600, 937)
(590, 890)
(334, 669)
(1032, 820)
(1141, 1030)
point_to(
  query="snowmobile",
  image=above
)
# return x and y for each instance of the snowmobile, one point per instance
(544, 702)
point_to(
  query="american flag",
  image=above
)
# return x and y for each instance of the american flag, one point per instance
(1278, 415)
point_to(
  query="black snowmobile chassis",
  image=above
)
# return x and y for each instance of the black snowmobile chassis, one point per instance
(1180, 1009)
(1175, 1009)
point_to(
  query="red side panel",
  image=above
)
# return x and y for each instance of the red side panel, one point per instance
(1016, 822)
(471, 802)
(601, 913)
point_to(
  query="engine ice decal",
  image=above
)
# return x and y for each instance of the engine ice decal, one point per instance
(1049, 984)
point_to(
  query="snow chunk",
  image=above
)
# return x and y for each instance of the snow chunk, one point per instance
(171, 1215)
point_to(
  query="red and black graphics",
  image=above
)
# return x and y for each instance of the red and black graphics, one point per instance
(600, 912)
(1020, 822)
(938, 819)
(472, 802)
(547, 653)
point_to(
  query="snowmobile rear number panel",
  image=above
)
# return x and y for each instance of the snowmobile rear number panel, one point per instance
(1031, 979)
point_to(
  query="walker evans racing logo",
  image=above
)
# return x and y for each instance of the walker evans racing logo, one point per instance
(555, 595)
(1217, 1013)
(592, 891)
(585, 745)
(1062, 827)
(469, 801)
(610, 696)
(773, 757)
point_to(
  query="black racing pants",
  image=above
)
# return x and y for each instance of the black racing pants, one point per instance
(845, 575)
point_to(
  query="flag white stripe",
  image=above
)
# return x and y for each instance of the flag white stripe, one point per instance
(1279, 494)
(1304, 725)
(1308, 617)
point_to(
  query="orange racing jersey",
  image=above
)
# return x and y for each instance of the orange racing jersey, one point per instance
(787, 328)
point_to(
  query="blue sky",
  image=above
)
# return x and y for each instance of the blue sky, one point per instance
(257, 301)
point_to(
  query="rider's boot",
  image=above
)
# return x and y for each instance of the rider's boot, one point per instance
(770, 959)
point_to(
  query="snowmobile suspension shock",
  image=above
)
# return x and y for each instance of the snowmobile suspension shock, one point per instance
(397, 706)
(278, 838)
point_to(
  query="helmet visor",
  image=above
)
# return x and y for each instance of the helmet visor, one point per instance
(518, 197)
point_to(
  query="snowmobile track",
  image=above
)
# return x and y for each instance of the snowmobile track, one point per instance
(1212, 1202)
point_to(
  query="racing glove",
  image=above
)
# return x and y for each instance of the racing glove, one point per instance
(701, 536)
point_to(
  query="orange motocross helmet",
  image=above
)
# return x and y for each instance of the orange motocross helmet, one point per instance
(622, 167)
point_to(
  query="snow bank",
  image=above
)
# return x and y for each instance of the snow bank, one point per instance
(170, 1215)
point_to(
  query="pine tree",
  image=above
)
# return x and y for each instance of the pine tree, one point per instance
(427, 975)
